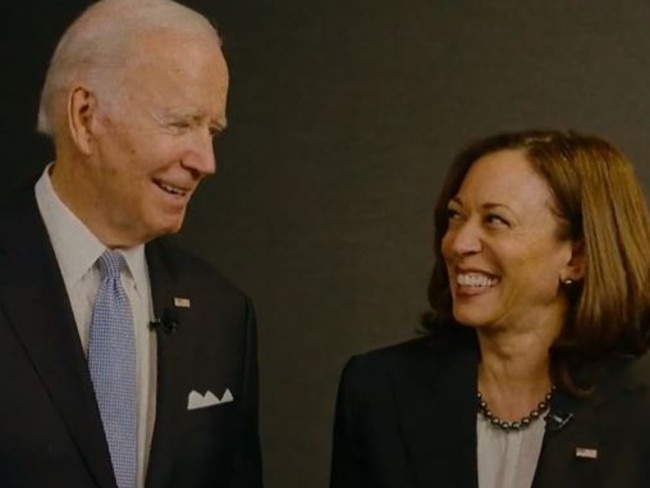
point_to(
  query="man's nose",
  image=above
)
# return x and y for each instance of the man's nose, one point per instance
(201, 158)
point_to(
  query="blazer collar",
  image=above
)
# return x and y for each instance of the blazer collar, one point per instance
(33, 297)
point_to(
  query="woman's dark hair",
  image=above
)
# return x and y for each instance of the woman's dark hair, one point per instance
(600, 205)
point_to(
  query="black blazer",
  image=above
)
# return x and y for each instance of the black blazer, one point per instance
(50, 430)
(406, 418)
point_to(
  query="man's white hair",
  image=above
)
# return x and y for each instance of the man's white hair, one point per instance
(97, 46)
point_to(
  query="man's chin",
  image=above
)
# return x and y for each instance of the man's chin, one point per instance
(169, 228)
(162, 227)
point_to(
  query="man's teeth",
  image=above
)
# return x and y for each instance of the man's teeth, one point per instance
(475, 280)
(171, 189)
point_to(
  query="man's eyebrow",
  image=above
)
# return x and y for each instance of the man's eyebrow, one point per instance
(167, 116)
(170, 116)
(219, 123)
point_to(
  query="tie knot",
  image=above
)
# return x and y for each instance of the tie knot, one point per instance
(110, 264)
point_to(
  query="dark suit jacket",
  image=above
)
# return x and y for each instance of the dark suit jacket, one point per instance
(50, 430)
(406, 418)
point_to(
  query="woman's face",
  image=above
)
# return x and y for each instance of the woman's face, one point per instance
(503, 255)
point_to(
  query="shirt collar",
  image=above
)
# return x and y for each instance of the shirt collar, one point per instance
(76, 247)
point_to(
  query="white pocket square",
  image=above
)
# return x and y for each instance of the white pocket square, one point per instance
(196, 400)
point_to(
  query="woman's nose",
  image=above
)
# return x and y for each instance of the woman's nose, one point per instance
(464, 238)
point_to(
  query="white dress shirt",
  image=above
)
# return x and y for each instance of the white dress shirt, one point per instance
(77, 250)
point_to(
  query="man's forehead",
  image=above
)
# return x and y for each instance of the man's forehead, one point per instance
(177, 37)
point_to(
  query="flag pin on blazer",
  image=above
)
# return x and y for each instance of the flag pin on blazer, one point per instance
(586, 453)
(182, 302)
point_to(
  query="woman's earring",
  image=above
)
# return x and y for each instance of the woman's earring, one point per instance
(567, 282)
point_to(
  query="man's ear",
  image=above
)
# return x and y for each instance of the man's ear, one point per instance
(577, 265)
(81, 110)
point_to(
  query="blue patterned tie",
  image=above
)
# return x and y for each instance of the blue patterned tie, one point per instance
(111, 359)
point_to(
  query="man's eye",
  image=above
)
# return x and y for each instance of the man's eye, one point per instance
(180, 125)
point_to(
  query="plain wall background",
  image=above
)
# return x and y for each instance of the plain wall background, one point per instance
(343, 118)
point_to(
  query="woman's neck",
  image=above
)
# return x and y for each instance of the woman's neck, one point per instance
(514, 372)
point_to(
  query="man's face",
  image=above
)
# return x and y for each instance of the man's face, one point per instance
(154, 145)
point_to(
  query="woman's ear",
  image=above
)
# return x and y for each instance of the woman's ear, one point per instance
(81, 110)
(577, 265)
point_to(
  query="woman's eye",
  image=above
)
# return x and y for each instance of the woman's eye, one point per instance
(494, 219)
(452, 214)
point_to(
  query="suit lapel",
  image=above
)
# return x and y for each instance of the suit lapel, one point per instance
(173, 367)
(33, 296)
(437, 404)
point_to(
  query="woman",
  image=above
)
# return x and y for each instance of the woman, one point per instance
(534, 372)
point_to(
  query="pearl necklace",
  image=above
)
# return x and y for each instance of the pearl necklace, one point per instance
(522, 423)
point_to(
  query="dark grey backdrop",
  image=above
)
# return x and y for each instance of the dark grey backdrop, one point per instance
(343, 116)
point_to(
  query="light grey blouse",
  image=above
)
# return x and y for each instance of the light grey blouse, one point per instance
(507, 459)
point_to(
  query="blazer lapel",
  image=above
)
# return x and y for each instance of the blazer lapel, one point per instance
(437, 403)
(570, 440)
(572, 454)
(33, 296)
(174, 356)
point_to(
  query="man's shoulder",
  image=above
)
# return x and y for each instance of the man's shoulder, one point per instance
(23, 231)
(19, 203)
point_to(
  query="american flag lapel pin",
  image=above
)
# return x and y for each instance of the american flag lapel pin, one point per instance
(586, 453)
(182, 302)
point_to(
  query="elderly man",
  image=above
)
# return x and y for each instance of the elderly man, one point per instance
(125, 361)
